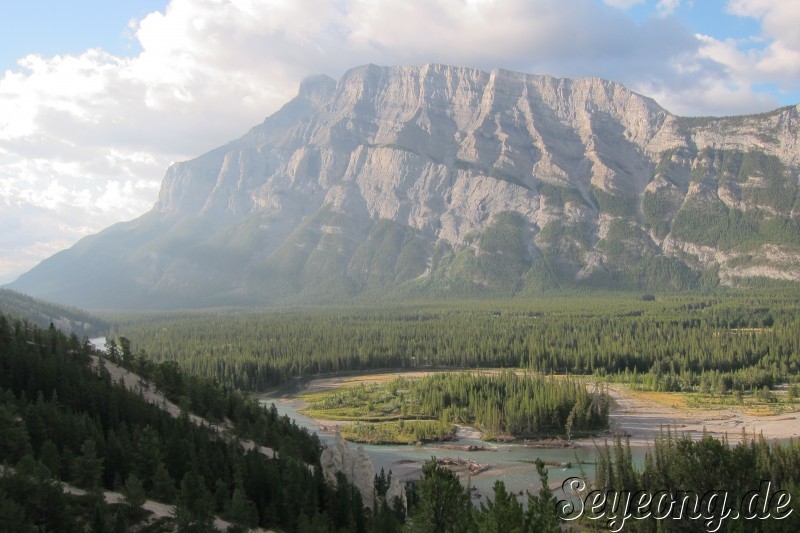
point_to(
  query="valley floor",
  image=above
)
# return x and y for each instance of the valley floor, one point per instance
(639, 415)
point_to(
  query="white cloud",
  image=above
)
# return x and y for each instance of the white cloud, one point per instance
(667, 7)
(623, 4)
(779, 60)
(773, 57)
(96, 132)
(32, 233)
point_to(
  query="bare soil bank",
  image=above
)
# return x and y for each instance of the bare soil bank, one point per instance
(642, 418)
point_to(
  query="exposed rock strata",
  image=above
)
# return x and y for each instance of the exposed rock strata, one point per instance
(413, 179)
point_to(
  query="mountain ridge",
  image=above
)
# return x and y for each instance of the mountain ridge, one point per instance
(442, 180)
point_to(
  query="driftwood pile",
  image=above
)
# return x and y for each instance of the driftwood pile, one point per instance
(473, 467)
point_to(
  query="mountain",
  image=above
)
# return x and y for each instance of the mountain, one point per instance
(440, 180)
(41, 313)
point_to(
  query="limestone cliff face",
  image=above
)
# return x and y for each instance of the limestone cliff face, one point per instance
(439, 149)
(417, 180)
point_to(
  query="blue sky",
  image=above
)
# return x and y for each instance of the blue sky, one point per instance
(716, 19)
(704, 16)
(52, 27)
(98, 97)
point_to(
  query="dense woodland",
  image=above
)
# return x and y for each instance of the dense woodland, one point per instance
(675, 463)
(15, 305)
(723, 342)
(67, 424)
(440, 504)
(752, 486)
(64, 421)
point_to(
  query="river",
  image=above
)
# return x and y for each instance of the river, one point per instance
(98, 342)
(513, 463)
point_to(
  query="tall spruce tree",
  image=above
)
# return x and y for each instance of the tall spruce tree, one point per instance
(443, 505)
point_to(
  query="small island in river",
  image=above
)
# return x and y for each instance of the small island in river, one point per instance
(503, 405)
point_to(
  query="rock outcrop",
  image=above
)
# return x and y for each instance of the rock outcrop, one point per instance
(396, 495)
(356, 467)
(414, 181)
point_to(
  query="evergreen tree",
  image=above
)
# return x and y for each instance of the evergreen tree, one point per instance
(541, 515)
(503, 514)
(221, 497)
(193, 512)
(444, 505)
(242, 510)
(87, 469)
(42, 499)
(12, 515)
(135, 497)
(163, 485)
(382, 482)
(14, 440)
(51, 458)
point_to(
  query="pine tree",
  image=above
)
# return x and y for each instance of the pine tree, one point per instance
(50, 458)
(444, 505)
(193, 512)
(14, 439)
(163, 484)
(541, 515)
(503, 514)
(87, 469)
(242, 510)
(12, 515)
(135, 497)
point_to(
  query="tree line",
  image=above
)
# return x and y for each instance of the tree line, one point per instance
(746, 339)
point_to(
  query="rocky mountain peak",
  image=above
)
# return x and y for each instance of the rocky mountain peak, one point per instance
(425, 180)
(318, 89)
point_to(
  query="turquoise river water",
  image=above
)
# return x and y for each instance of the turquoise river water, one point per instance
(513, 462)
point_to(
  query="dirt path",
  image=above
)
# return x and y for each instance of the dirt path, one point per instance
(135, 383)
(157, 509)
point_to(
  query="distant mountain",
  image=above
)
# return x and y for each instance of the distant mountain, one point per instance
(434, 181)
(41, 313)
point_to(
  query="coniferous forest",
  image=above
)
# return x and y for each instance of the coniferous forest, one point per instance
(724, 342)
(72, 432)
(715, 486)
(65, 421)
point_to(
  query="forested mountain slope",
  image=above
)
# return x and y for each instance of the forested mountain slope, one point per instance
(65, 419)
(440, 180)
(43, 313)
